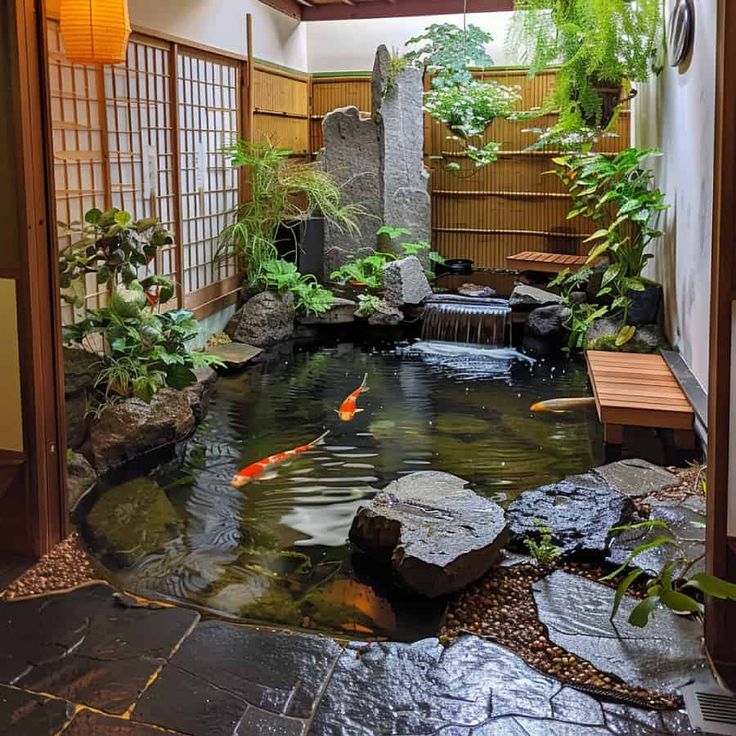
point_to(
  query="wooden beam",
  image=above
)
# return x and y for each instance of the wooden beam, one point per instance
(292, 8)
(405, 8)
(720, 620)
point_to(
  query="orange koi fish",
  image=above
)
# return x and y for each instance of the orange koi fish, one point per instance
(347, 409)
(255, 470)
(559, 406)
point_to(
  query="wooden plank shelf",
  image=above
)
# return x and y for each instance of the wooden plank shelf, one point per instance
(634, 390)
(531, 260)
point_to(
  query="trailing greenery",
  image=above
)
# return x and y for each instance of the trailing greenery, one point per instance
(598, 44)
(281, 191)
(619, 195)
(140, 349)
(397, 64)
(674, 586)
(465, 104)
(367, 305)
(544, 551)
(309, 295)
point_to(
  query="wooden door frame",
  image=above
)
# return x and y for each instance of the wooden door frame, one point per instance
(720, 623)
(42, 491)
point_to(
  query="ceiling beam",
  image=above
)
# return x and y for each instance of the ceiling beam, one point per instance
(400, 8)
(292, 8)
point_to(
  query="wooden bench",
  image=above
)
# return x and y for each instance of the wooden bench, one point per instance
(638, 391)
(531, 260)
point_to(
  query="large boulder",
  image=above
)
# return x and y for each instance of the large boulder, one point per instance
(437, 534)
(601, 335)
(130, 521)
(80, 477)
(548, 322)
(386, 315)
(130, 428)
(200, 392)
(526, 298)
(405, 282)
(580, 512)
(78, 419)
(264, 320)
(81, 368)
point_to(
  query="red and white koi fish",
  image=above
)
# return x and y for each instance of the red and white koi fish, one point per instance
(255, 470)
(348, 409)
(560, 406)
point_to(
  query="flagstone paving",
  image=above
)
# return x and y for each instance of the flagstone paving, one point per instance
(90, 662)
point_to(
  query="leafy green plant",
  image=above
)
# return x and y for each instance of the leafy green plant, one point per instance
(674, 586)
(618, 194)
(410, 249)
(309, 295)
(601, 47)
(543, 550)
(140, 349)
(111, 245)
(363, 271)
(281, 191)
(397, 64)
(367, 305)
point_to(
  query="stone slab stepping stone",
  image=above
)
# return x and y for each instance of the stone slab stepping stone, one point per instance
(686, 524)
(341, 311)
(28, 714)
(636, 477)
(664, 656)
(222, 670)
(86, 646)
(580, 511)
(235, 354)
(88, 723)
(437, 533)
(471, 688)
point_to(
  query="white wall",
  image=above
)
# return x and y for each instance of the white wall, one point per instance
(221, 24)
(675, 113)
(350, 45)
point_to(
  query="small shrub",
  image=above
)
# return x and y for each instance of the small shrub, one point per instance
(544, 551)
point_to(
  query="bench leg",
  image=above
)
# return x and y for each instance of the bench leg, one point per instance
(684, 439)
(613, 434)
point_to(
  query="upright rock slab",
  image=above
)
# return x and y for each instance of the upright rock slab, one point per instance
(437, 533)
(580, 511)
(405, 282)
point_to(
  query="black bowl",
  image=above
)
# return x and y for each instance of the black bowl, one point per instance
(460, 266)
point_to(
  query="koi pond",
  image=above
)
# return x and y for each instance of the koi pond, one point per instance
(275, 551)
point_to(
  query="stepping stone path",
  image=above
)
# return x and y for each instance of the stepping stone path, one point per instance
(235, 354)
(663, 657)
(89, 651)
(437, 533)
(636, 478)
(580, 512)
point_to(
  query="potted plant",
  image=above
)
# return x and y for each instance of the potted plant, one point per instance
(602, 48)
(466, 105)
(618, 194)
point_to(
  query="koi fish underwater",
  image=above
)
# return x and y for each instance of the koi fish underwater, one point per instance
(255, 470)
(560, 406)
(348, 409)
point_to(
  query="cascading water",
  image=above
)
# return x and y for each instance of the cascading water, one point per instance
(455, 318)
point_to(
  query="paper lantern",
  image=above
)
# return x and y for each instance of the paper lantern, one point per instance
(94, 31)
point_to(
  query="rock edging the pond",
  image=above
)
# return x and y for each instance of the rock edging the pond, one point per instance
(437, 534)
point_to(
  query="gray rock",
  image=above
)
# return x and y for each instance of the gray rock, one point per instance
(602, 333)
(580, 511)
(264, 320)
(76, 410)
(525, 297)
(200, 393)
(405, 282)
(131, 521)
(386, 315)
(81, 369)
(438, 534)
(664, 656)
(351, 155)
(548, 322)
(235, 354)
(636, 477)
(130, 428)
(686, 527)
(476, 290)
(80, 477)
(342, 311)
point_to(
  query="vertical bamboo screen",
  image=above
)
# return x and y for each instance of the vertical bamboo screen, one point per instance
(329, 93)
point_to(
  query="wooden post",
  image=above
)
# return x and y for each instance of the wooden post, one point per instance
(249, 107)
(176, 171)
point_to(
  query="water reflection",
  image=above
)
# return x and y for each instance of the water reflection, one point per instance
(276, 550)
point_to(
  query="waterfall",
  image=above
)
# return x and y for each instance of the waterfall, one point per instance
(455, 318)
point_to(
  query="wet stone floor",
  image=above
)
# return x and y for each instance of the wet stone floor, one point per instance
(91, 662)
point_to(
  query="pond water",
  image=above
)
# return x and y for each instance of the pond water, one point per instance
(275, 551)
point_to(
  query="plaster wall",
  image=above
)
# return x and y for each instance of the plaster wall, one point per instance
(350, 45)
(675, 113)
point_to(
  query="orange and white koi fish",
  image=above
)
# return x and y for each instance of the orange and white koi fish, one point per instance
(255, 470)
(559, 406)
(348, 408)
